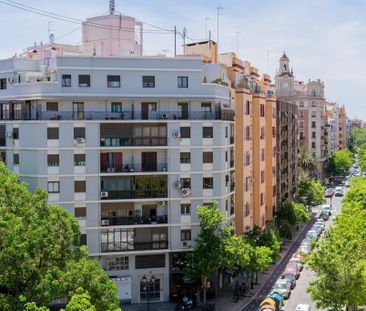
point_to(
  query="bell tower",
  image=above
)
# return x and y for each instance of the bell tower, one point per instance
(284, 78)
(284, 64)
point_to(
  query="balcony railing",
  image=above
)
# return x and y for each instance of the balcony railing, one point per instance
(133, 194)
(130, 168)
(133, 141)
(223, 114)
(126, 247)
(134, 220)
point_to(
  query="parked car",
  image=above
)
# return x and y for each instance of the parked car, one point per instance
(324, 215)
(303, 307)
(329, 193)
(312, 235)
(283, 286)
(338, 192)
(328, 208)
(293, 268)
(298, 261)
(291, 278)
(304, 249)
(347, 184)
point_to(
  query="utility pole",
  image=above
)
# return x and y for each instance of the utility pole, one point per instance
(206, 32)
(219, 8)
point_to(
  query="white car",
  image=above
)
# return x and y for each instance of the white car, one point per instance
(338, 192)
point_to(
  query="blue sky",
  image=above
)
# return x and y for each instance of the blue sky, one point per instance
(324, 39)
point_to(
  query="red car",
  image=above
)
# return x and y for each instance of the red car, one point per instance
(294, 269)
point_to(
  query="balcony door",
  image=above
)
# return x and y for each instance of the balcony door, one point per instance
(78, 110)
(183, 111)
(148, 161)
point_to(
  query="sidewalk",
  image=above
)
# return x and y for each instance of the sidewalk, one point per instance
(225, 301)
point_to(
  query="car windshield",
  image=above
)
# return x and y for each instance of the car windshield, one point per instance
(280, 286)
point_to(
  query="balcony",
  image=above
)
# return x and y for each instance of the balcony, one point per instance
(134, 167)
(134, 220)
(26, 114)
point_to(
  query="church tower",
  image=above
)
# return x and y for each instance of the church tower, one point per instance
(284, 78)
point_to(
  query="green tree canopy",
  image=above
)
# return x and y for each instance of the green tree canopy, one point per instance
(305, 159)
(339, 162)
(40, 254)
(310, 191)
(358, 137)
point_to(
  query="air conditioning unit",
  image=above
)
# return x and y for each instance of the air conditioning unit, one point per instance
(104, 194)
(186, 192)
(80, 140)
(185, 244)
(105, 222)
(9, 134)
(162, 203)
(176, 134)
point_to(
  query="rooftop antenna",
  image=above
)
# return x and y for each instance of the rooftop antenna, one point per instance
(219, 8)
(206, 33)
(112, 7)
(51, 36)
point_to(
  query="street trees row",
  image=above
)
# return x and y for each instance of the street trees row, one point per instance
(41, 258)
(217, 247)
(340, 258)
(339, 162)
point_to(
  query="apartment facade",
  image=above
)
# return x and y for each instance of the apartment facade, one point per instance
(309, 98)
(342, 128)
(288, 144)
(130, 146)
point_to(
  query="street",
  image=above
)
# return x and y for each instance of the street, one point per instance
(299, 293)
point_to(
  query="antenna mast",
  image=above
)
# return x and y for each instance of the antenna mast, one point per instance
(112, 7)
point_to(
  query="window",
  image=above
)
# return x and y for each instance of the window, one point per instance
(274, 191)
(273, 132)
(16, 133)
(114, 240)
(83, 239)
(247, 158)
(313, 114)
(247, 133)
(262, 110)
(313, 135)
(2, 84)
(262, 177)
(16, 159)
(185, 132)
(52, 106)
(79, 159)
(301, 114)
(79, 186)
(226, 131)
(247, 184)
(80, 212)
(113, 81)
(313, 145)
(313, 124)
(84, 80)
(273, 171)
(148, 81)
(52, 133)
(185, 157)
(301, 124)
(185, 182)
(207, 132)
(79, 132)
(53, 187)
(149, 261)
(207, 182)
(207, 157)
(313, 104)
(116, 107)
(150, 291)
(262, 154)
(53, 160)
(185, 209)
(117, 263)
(247, 107)
(247, 209)
(262, 198)
(301, 105)
(274, 115)
(185, 235)
(66, 80)
(262, 133)
(226, 156)
(182, 82)
(302, 135)
(206, 107)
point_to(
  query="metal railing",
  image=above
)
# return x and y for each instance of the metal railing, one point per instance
(130, 168)
(133, 141)
(224, 114)
(134, 220)
(123, 246)
(135, 194)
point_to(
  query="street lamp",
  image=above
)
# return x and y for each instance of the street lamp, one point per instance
(148, 282)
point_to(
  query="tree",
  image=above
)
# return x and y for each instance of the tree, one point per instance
(310, 192)
(358, 137)
(40, 249)
(361, 157)
(339, 162)
(80, 301)
(340, 258)
(216, 247)
(305, 159)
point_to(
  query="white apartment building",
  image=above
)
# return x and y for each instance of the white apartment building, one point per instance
(130, 146)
